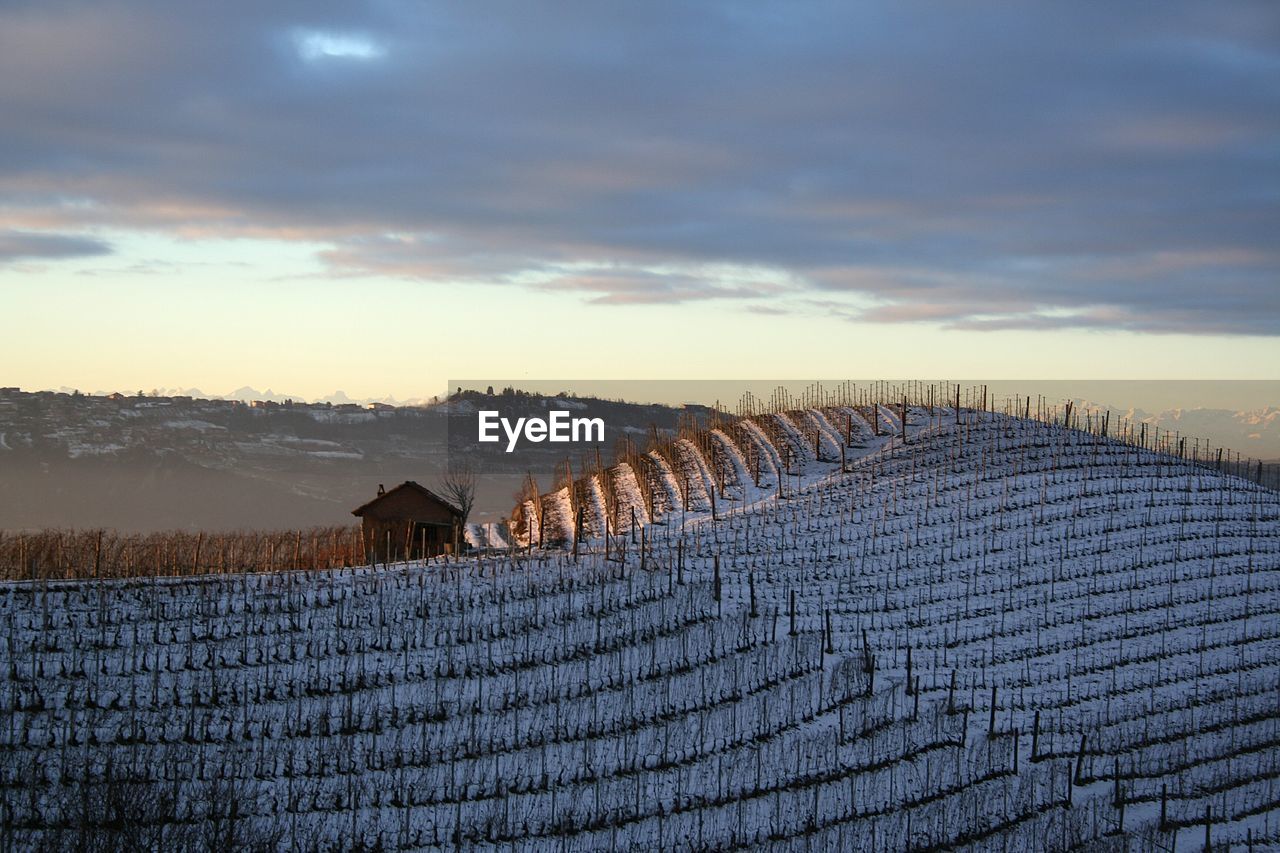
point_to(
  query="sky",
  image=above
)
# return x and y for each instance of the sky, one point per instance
(377, 196)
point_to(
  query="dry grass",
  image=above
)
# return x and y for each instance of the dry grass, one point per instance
(62, 554)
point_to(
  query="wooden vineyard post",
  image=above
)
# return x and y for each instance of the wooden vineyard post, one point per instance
(868, 664)
(1119, 796)
(577, 532)
(651, 484)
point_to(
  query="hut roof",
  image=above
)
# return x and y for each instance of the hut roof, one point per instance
(412, 486)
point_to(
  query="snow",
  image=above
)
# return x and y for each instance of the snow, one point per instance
(191, 423)
(332, 416)
(457, 407)
(557, 518)
(596, 519)
(488, 536)
(829, 439)
(794, 441)
(666, 488)
(630, 505)
(280, 444)
(692, 470)
(854, 423)
(78, 450)
(606, 698)
(770, 461)
(738, 482)
(525, 530)
(890, 420)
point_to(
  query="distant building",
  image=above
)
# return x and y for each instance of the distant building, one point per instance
(408, 522)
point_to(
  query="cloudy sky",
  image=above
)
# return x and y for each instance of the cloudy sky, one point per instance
(378, 196)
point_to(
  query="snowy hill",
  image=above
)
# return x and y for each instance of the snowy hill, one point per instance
(799, 630)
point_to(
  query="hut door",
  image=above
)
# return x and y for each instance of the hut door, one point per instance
(426, 542)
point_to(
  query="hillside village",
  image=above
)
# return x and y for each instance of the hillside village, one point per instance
(147, 463)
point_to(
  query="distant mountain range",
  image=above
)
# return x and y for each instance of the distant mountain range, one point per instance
(1253, 432)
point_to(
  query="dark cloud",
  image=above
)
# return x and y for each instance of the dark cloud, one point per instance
(25, 246)
(996, 165)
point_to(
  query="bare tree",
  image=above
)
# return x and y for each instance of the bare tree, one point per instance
(458, 485)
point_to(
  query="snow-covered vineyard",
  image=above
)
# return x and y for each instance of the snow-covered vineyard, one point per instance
(819, 630)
